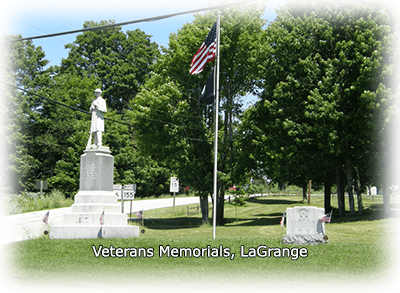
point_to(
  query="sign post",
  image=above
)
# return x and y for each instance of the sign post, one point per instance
(129, 194)
(174, 186)
(126, 192)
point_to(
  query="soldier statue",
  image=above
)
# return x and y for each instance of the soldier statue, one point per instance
(97, 108)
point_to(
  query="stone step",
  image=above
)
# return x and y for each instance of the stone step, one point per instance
(94, 219)
(95, 207)
(93, 232)
(95, 196)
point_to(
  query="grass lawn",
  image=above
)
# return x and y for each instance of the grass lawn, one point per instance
(358, 250)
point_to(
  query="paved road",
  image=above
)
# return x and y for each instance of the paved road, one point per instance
(30, 225)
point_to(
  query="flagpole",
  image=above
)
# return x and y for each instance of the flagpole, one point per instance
(216, 127)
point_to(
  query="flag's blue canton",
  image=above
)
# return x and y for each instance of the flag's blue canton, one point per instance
(211, 35)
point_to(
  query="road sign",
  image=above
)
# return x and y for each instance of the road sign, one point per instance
(129, 194)
(174, 185)
(130, 187)
(127, 191)
(117, 191)
(42, 185)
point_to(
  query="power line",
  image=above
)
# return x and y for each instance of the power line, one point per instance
(131, 22)
(115, 121)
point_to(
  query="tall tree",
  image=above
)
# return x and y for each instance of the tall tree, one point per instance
(326, 72)
(24, 66)
(121, 61)
(46, 139)
(174, 126)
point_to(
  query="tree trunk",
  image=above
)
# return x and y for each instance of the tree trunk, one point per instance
(349, 174)
(220, 205)
(204, 208)
(340, 192)
(359, 189)
(305, 191)
(359, 201)
(327, 195)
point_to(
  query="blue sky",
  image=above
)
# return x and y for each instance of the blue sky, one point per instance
(33, 18)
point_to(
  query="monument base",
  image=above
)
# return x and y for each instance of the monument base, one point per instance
(95, 212)
(305, 239)
(92, 232)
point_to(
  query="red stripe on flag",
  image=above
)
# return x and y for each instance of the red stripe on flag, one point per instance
(206, 52)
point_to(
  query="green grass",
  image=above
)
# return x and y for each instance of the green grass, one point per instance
(260, 218)
(357, 249)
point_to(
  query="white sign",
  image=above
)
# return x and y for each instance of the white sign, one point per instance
(130, 187)
(128, 191)
(117, 191)
(129, 194)
(174, 185)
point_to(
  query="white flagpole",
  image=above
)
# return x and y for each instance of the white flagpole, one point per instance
(216, 128)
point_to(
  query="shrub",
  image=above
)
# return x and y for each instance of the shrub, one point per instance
(30, 201)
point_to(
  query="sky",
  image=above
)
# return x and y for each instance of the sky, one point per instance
(34, 18)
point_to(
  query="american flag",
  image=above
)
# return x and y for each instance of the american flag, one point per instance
(283, 220)
(326, 218)
(206, 52)
(46, 217)
(139, 214)
(102, 219)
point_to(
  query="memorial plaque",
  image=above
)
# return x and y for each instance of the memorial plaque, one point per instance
(97, 171)
(304, 220)
(303, 226)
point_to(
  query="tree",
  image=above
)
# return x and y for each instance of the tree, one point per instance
(131, 165)
(121, 61)
(24, 66)
(47, 139)
(172, 135)
(326, 70)
(171, 124)
(60, 134)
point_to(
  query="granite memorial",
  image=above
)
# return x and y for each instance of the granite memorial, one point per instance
(303, 226)
(95, 212)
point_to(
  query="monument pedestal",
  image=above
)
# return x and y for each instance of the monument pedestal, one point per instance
(303, 226)
(95, 196)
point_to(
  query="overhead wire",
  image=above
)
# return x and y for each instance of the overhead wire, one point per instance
(144, 70)
(121, 24)
(136, 65)
(149, 19)
(88, 113)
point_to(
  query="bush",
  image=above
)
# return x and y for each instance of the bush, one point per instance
(31, 201)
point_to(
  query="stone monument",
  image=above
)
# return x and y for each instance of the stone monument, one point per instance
(303, 226)
(95, 212)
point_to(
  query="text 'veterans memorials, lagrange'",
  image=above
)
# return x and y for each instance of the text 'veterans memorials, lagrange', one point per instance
(95, 213)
